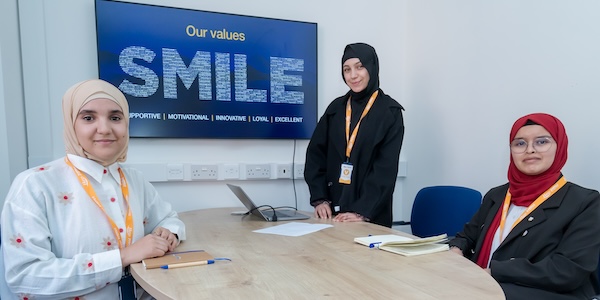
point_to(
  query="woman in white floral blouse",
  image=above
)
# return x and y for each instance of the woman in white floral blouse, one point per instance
(71, 227)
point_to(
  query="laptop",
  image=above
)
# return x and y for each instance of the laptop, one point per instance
(266, 213)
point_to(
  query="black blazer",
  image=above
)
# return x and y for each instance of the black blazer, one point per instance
(551, 254)
(374, 158)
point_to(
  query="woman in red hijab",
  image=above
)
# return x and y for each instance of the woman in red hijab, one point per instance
(538, 235)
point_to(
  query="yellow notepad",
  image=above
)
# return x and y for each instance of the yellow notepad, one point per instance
(174, 258)
(404, 245)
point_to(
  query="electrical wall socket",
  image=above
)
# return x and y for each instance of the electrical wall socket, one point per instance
(174, 172)
(204, 172)
(284, 171)
(298, 170)
(258, 171)
(230, 171)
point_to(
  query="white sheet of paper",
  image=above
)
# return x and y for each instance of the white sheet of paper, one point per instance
(293, 229)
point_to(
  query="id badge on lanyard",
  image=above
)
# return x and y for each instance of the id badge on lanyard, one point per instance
(127, 288)
(346, 170)
(346, 173)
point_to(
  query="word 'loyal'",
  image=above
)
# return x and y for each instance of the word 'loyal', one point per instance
(200, 68)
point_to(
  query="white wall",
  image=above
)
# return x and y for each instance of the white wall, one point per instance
(474, 67)
(5, 177)
(59, 49)
(464, 70)
(13, 148)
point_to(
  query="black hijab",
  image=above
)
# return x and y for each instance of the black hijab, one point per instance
(368, 57)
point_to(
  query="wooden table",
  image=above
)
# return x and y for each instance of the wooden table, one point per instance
(325, 264)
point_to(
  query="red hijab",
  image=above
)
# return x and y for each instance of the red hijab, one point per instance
(524, 189)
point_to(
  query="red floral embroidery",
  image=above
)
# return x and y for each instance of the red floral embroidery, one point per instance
(42, 168)
(105, 171)
(65, 198)
(109, 243)
(79, 298)
(112, 199)
(88, 265)
(25, 297)
(17, 241)
(121, 230)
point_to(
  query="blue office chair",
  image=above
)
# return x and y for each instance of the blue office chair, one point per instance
(442, 209)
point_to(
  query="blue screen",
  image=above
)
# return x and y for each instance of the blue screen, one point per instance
(198, 74)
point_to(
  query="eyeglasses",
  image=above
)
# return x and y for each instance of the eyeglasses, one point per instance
(540, 144)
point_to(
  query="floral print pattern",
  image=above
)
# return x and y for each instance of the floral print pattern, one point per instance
(18, 241)
(109, 243)
(65, 198)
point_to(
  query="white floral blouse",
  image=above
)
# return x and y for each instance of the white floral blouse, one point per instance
(58, 244)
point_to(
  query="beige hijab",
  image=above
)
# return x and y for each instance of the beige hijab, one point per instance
(76, 97)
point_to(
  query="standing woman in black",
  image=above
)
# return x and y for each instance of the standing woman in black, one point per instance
(352, 158)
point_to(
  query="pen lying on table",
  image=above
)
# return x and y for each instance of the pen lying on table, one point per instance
(189, 264)
(373, 245)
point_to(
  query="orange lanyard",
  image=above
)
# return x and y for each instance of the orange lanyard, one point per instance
(543, 197)
(350, 139)
(85, 183)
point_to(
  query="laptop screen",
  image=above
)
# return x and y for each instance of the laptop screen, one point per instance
(272, 214)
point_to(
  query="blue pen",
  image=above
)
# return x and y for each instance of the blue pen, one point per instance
(189, 264)
(373, 245)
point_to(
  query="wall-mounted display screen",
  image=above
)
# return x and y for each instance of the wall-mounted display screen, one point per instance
(197, 74)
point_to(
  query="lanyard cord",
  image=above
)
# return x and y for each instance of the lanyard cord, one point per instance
(85, 183)
(541, 199)
(351, 138)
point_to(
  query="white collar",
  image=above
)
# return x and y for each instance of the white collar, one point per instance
(94, 169)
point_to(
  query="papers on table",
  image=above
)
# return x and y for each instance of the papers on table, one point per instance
(293, 229)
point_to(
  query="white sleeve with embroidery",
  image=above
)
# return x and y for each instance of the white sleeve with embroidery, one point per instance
(55, 243)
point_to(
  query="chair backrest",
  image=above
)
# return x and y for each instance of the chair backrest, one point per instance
(443, 209)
